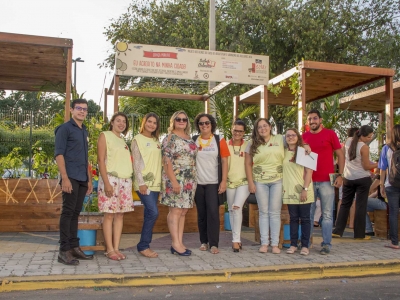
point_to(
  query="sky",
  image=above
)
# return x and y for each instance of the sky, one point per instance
(82, 21)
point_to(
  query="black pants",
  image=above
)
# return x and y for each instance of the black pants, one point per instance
(360, 189)
(71, 207)
(207, 205)
(296, 212)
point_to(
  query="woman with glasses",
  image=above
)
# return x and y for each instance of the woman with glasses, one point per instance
(263, 164)
(178, 178)
(115, 183)
(298, 192)
(146, 151)
(356, 182)
(237, 189)
(212, 173)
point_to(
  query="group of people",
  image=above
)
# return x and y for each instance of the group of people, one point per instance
(207, 170)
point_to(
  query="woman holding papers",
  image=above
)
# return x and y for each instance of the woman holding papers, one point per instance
(298, 192)
(146, 151)
(356, 181)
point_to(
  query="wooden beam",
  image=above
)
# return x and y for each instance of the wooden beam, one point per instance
(283, 76)
(68, 86)
(380, 136)
(301, 103)
(116, 93)
(159, 95)
(216, 89)
(264, 102)
(316, 65)
(389, 106)
(236, 100)
(111, 88)
(105, 105)
(35, 40)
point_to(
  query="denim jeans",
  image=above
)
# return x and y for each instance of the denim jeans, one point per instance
(326, 193)
(236, 197)
(71, 208)
(373, 203)
(269, 200)
(149, 219)
(393, 196)
(302, 212)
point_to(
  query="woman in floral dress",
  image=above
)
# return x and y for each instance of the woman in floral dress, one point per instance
(115, 182)
(178, 178)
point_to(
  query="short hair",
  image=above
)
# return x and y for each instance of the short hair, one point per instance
(79, 101)
(119, 113)
(171, 127)
(314, 111)
(240, 122)
(155, 133)
(210, 117)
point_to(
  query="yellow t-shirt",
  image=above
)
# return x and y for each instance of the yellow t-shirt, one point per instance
(293, 181)
(150, 150)
(236, 172)
(267, 163)
(119, 163)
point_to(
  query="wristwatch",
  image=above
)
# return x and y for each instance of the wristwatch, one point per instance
(304, 188)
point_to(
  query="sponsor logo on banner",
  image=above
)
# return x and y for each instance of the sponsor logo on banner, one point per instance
(258, 67)
(206, 63)
(231, 76)
(151, 54)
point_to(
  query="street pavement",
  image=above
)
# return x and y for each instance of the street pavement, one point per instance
(32, 257)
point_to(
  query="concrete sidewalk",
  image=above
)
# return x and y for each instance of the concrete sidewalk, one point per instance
(29, 261)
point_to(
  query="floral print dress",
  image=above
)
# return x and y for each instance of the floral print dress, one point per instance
(182, 154)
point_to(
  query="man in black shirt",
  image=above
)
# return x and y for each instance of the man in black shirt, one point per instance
(71, 153)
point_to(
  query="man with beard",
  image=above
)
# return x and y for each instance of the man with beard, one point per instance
(324, 142)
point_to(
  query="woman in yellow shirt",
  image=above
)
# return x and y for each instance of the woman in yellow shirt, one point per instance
(115, 182)
(298, 193)
(146, 151)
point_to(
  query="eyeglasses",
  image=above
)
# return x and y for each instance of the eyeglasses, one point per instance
(262, 126)
(313, 118)
(184, 120)
(291, 135)
(204, 123)
(238, 131)
(80, 108)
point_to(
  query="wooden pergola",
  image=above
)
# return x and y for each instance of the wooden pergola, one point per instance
(36, 63)
(319, 80)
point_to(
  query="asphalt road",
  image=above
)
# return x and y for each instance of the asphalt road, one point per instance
(380, 287)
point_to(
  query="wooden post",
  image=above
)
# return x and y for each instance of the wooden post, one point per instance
(116, 92)
(235, 107)
(105, 105)
(68, 86)
(301, 104)
(389, 106)
(264, 102)
(380, 137)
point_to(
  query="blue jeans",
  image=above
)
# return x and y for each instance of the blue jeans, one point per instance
(269, 200)
(326, 193)
(299, 212)
(149, 218)
(373, 203)
(393, 196)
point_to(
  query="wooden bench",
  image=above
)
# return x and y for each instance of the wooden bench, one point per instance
(381, 223)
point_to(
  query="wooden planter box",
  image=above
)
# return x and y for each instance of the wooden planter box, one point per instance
(92, 221)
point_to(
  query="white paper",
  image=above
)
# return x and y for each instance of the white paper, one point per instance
(308, 161)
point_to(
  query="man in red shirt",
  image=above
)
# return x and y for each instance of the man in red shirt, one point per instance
(324, 142)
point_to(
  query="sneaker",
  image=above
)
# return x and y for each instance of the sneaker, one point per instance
(325, 250)
(366, 238)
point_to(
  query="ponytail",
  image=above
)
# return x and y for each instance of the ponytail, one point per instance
(363, 131)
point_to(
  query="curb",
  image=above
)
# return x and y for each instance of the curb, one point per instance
(262, 274)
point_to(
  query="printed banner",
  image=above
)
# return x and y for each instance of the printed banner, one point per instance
(192, 64)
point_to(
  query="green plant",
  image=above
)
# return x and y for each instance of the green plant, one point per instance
(13, 163)
(43, 159)
(92, 204)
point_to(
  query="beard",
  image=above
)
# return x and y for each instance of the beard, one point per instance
(315, 127)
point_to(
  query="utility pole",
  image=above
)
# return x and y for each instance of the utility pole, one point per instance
(211, 46)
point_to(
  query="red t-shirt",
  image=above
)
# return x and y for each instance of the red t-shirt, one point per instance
(323, 143)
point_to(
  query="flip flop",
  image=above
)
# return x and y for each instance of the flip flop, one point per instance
(112, 255)
(396, 247)
(214, 250)
(121, 255)
(203, 247)
(149, 253)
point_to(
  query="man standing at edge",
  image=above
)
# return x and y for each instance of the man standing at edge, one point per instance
(324, 142)
(71, 153)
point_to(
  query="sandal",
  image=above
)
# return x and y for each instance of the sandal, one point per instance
(236, 247)
(304, 251)
(121, 255)
(203, 247)
(291, 250)
(149, 253)
(390, 245)
(276, 250)
(214, 250)
(112, 255)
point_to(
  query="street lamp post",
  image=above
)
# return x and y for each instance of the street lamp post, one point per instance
(75, 61)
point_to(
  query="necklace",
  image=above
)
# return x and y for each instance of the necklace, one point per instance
(234, 151)
(206, 144)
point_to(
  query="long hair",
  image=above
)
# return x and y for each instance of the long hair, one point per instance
(395, 137)
(110, 127)
(156, 133)
(210, 117)
(256, 140)
(363, 131)
(300, 142)
(171, 127)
